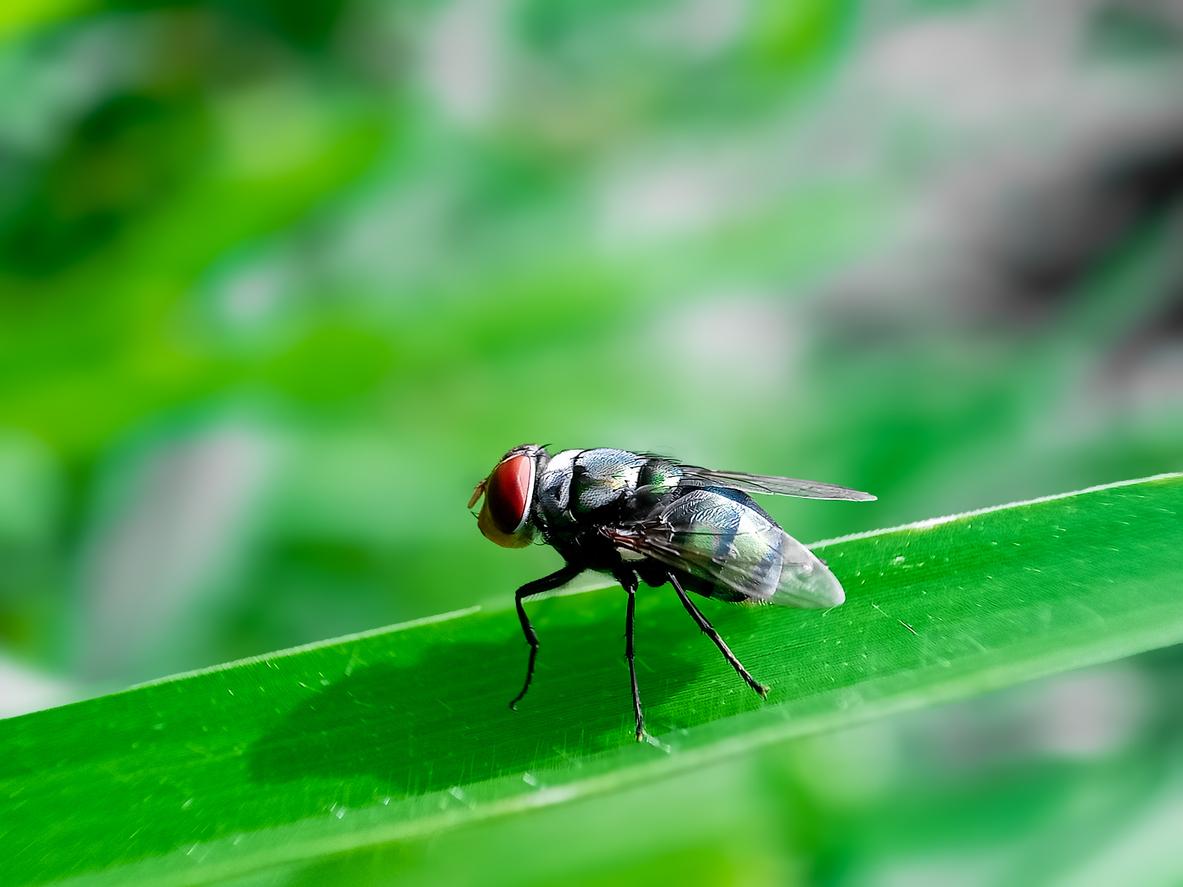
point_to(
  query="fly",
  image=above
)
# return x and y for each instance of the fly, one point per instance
(645, 518)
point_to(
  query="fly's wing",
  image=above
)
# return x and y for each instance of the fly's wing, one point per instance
(769, 484)
(722, 538)
(678, 474)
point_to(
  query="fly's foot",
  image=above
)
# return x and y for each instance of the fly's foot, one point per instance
(761, 690)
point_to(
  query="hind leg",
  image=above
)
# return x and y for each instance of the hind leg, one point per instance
(709, 631)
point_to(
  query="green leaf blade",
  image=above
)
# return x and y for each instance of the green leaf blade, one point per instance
(399, 732)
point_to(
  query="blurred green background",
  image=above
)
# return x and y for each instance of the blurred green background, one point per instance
(280, 282)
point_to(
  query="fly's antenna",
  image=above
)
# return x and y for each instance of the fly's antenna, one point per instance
(478, 491)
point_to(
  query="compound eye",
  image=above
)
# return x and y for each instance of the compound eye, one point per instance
(507, 501)
(508, 492)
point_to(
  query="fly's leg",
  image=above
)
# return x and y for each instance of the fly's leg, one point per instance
(709, 631)
(630, 586)
(538, 586)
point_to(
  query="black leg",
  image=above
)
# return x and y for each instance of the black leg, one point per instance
(709, 631)
(630, 586)
(546, 583)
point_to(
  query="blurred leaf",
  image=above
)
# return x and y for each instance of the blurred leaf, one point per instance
(349, 744)
(28, 15)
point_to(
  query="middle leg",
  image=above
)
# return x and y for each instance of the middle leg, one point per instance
(629, 583)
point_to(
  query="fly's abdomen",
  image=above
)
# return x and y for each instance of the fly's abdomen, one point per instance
(726, 540)
(736, 551)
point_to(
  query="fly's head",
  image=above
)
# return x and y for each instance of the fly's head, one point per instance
(506, 515)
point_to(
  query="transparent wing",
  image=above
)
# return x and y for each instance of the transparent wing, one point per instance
(697, 476)
(769, 484)
(739, 553)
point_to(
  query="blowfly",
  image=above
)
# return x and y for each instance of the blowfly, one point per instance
(645, 518)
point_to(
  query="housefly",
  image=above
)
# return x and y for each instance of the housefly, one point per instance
(645, 518)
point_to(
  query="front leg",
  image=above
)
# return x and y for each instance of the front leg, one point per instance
(547, 583)
(629, 582)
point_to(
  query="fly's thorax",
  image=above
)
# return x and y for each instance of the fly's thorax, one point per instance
(554, 483)
(656, 481)
(578, 483)
(602, 478)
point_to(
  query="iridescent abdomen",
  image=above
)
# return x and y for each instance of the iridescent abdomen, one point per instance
(721, 531)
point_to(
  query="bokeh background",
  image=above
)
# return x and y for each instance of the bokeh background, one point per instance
(279, 282)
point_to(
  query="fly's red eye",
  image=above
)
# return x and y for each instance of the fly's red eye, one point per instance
(507, 494)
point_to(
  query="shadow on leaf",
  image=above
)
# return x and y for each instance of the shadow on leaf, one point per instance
(442, 719)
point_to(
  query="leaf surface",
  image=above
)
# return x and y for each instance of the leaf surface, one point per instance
(347, 744)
